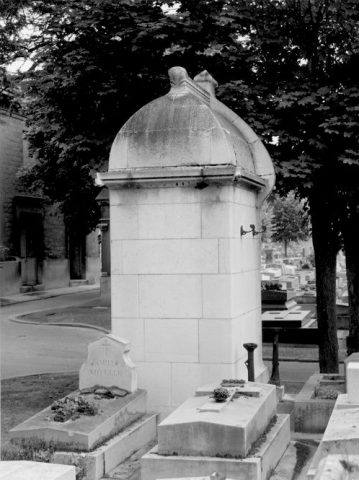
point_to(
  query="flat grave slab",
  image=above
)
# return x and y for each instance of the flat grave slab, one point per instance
(102, 460)
(194, 429)
(294, 318)
(337, 467)
(85, 432)
(25, 470)
(342, 432)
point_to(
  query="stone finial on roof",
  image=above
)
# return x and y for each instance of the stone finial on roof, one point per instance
(177, 75)
(207, 82)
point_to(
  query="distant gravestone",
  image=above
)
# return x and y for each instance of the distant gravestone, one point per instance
(108, 365)
(269, 255)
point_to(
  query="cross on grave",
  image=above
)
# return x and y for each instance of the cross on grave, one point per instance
(213, 406)
(106, 346)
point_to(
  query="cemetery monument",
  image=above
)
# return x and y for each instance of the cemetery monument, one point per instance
(187, 178)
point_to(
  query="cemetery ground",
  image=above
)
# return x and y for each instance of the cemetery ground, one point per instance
(55, 315)
(40, 390)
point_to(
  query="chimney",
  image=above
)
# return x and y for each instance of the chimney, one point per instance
(207, 82)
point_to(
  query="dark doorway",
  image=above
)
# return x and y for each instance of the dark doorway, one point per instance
(31, 247)
(77, 255)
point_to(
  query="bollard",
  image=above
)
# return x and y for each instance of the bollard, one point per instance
(275, 379)
(250, 347)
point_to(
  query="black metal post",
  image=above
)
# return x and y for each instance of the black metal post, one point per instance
(275, 379)
(250, 347)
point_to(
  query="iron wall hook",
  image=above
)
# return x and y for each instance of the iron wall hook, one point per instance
(244, 232)
(257, 232)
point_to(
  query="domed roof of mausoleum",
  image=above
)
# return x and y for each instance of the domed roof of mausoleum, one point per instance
(189, 127)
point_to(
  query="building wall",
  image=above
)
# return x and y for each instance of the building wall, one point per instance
(11, 158)
(54, 233)
(54, 257)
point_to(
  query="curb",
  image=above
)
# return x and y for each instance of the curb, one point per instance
(295, 359)
(7, 301)
(18, 319)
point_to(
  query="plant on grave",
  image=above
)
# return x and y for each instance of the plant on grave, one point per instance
(272, 286)
(220, 394)
(72, 408)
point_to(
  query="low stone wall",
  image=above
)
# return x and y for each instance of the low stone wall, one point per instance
(93, 269)
(55, 273)
(10, 277)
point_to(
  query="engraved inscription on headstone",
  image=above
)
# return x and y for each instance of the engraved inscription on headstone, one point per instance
(108, 364)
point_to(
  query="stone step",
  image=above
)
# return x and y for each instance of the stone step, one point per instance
(26, 288)
(78, 283)
(130, 469)
(106, 458)
(257, 466)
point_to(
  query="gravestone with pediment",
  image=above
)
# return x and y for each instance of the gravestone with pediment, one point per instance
(103, 422)
(186, 179)
(109, 365)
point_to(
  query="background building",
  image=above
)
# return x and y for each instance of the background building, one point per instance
(33, 229)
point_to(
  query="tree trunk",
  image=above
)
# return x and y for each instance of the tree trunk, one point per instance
(350, 232)
(325, 249)
(285, 248)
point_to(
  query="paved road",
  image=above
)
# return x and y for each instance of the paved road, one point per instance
(297, 371)
(31, 349)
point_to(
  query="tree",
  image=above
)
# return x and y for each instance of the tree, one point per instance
(92, 67)
(305, 55)
(288, 67)
(290, 221)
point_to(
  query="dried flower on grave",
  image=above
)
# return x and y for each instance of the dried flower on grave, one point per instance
(71, 408)
(220, 394)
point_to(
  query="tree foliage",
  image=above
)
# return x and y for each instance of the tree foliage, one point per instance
(290, 220)
(288, 67)
(92, 67)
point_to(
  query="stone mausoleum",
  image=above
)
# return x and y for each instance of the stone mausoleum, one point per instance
(187, 178)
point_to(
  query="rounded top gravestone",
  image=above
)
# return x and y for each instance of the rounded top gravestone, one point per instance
(189, 127)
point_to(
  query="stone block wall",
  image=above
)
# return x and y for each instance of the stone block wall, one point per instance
(11, 158)
(185, 286)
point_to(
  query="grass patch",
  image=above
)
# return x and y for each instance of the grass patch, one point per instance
(256, 446)
(304, 452)
(33, 449)
(23, 397)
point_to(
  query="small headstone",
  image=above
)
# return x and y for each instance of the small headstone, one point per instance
(108, 365)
